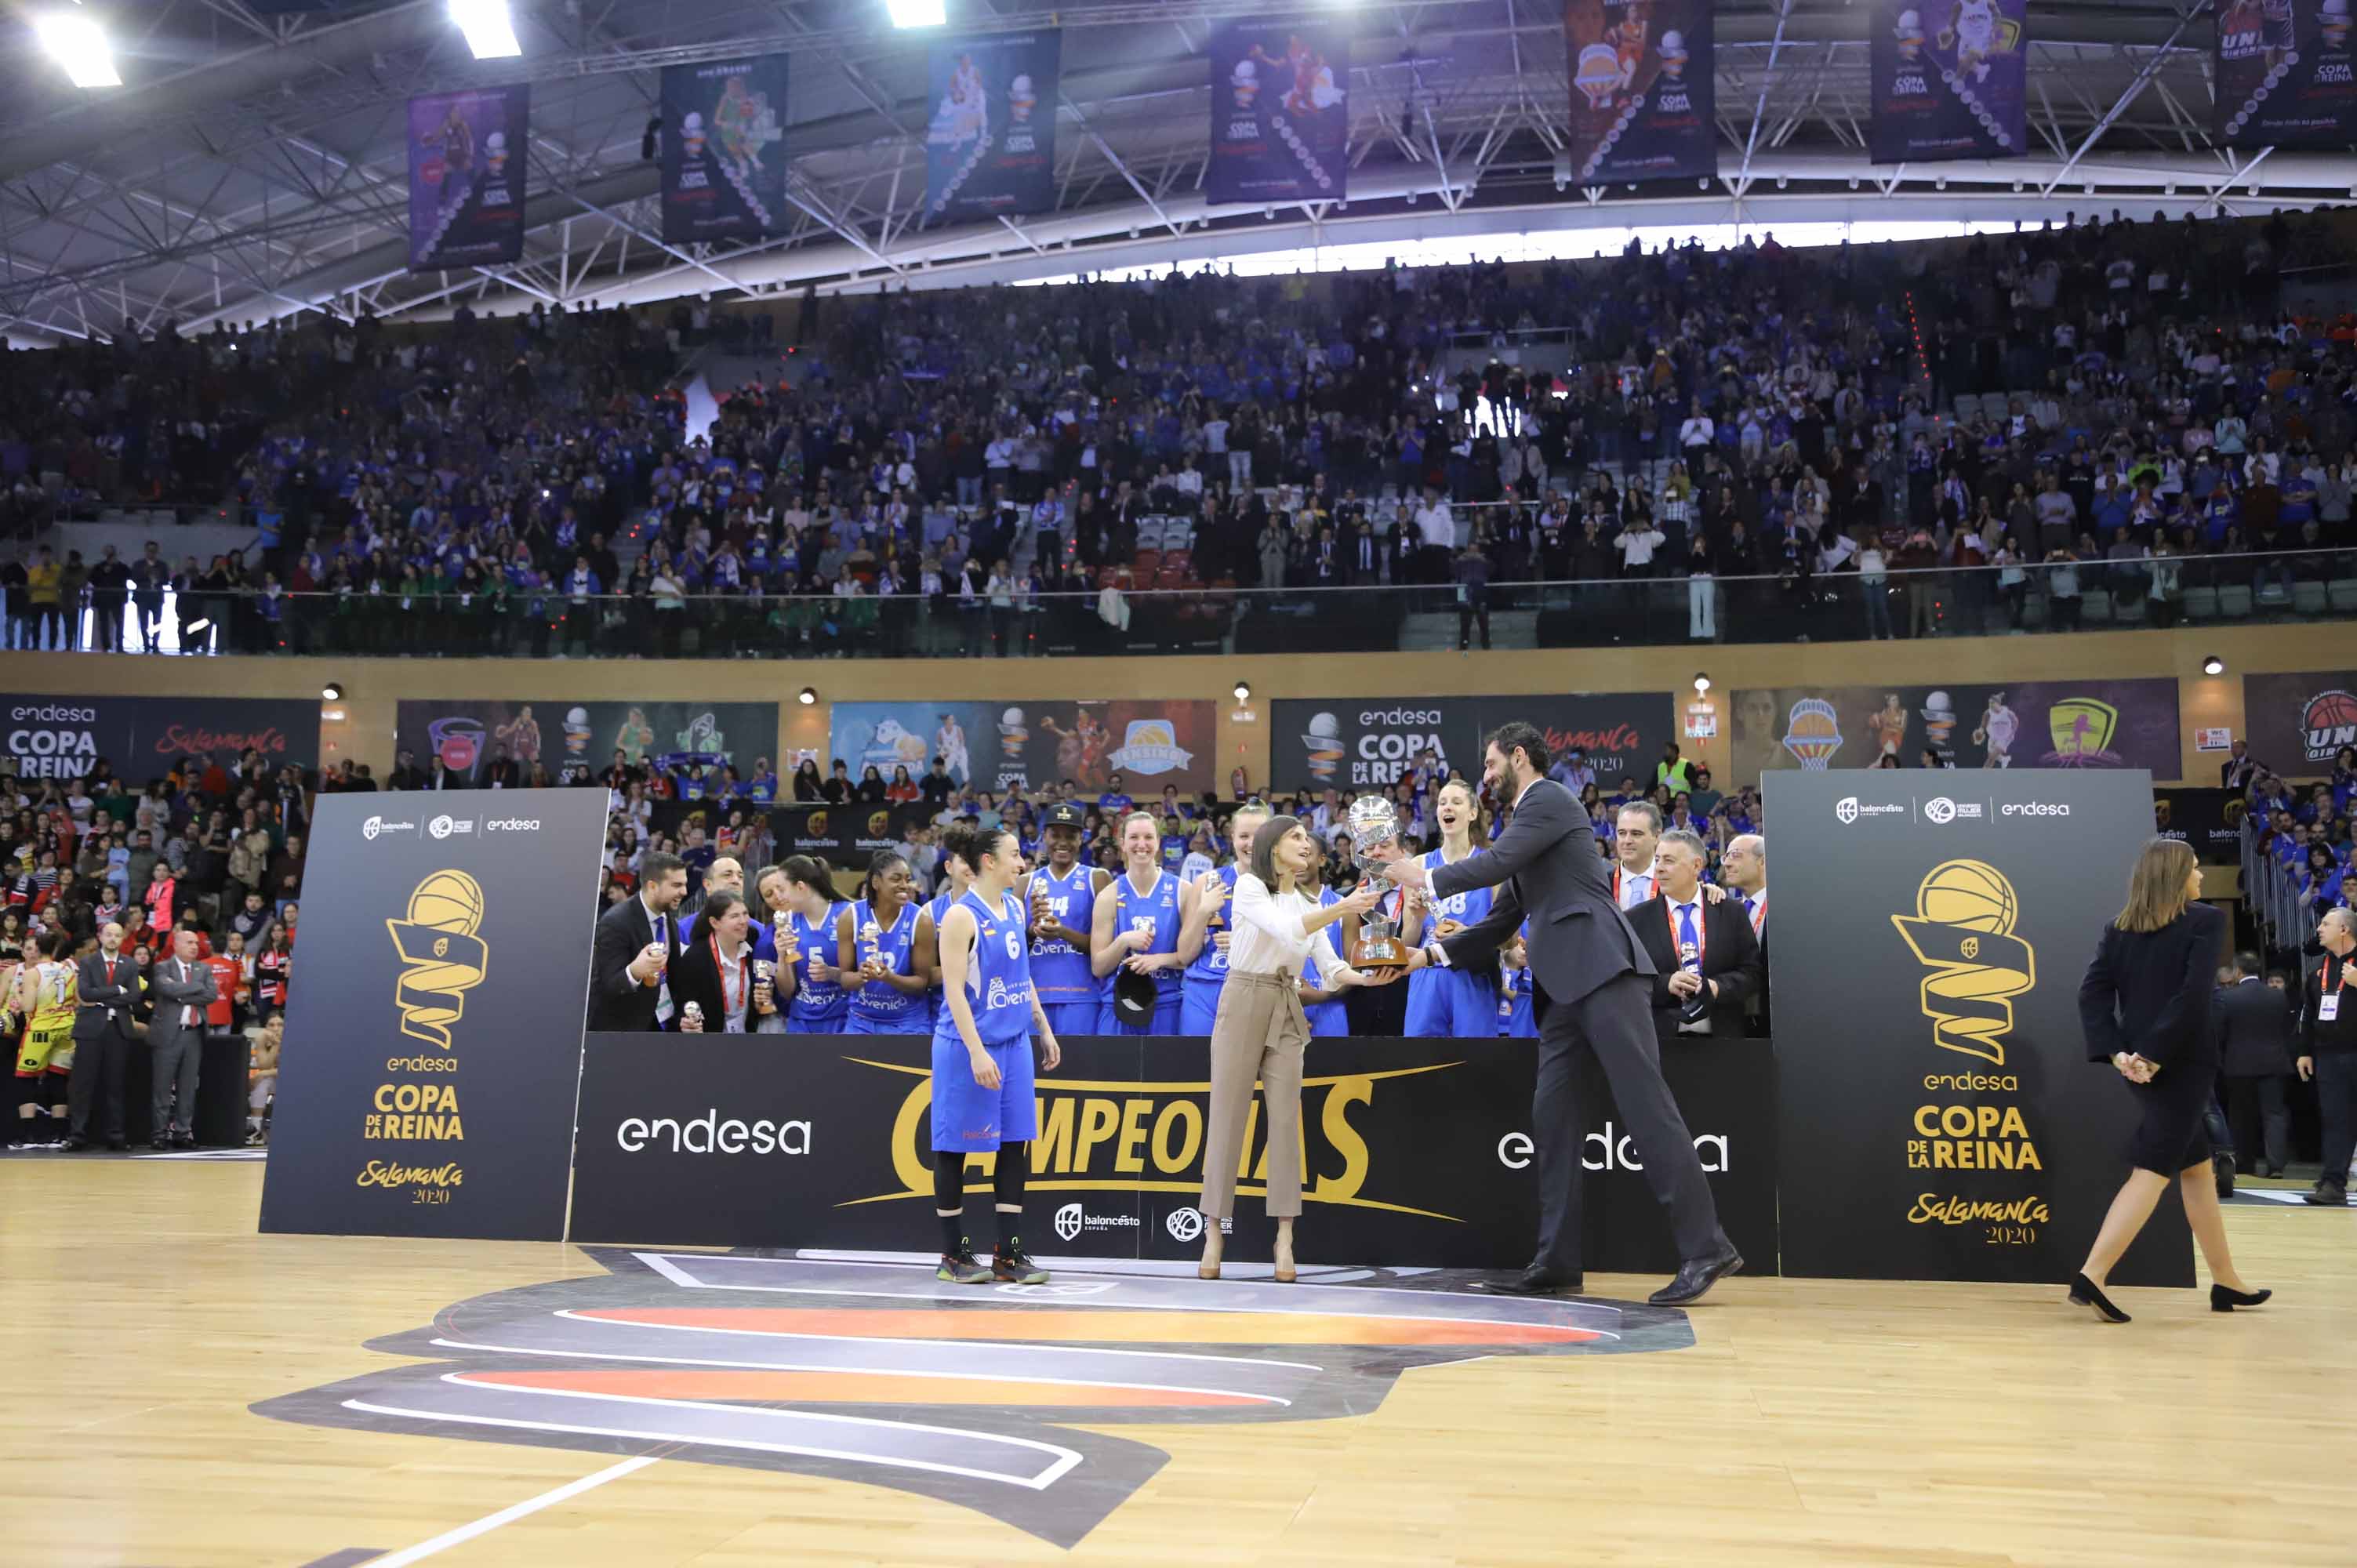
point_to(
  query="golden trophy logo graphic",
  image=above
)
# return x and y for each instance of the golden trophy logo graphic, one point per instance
(441, 956)
(1962, 932)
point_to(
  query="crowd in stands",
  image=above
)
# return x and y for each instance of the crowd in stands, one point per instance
(1989, 431)
(2301, 845)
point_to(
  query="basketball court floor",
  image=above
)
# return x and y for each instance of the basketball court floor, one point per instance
(189, 1395)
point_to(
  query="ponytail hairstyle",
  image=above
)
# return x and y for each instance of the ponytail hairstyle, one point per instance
(806, 870)
(959, 843)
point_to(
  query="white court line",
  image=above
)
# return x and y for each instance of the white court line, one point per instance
(688, 1281)
(936, 1343)
(851, 1371)
(509, 1515)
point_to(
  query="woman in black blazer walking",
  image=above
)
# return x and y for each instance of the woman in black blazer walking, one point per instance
(2144, 1006)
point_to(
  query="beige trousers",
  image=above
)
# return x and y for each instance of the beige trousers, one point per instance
(1259, 1033)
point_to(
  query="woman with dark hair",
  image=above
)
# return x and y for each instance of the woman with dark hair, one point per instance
(875, 939)
(1259, 1034)
(871, 786)
(811, 980)
(2144, 1006)
(808, 786)
(715, 970)
(902, 789)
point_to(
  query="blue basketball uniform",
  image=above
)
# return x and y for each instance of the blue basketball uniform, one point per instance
(1452, 1003)
(1517, 1016)
(818, 1007)
(1070, 994)
(879, 1008)
(1156, 912)
(965, 1115)
(1328, 1019)
(1207, 976)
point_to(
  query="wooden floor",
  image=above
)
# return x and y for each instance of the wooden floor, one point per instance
(1809, 1423)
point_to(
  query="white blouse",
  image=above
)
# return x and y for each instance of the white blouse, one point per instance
(1269, 933)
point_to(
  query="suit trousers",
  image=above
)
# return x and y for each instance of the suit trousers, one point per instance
(101, 1071)
(2252, 1103)
(177, 1056)
(1260, 1034)
(1614, 1025)
(2336, 1103)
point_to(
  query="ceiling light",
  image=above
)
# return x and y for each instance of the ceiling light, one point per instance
(2213, 665)
(76, 41)
(491, 31)
(916, 13)
(809, 695)
(1702, 683)
(1243, 691)
(331, 693)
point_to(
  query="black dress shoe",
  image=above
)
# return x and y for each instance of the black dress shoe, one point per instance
(1532, 1281)
(162, 1143)
(184, 1141)
(1697, 1275)
(76, 1146)
(2084, 1293)
(2326, 1197)
(118, 1145)
(2225, 1300)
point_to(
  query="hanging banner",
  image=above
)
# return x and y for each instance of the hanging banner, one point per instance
(1280, 113)
(2209, 820)
(467, 177)
(1949, 80)
(990, 747)
(141, 738)
(990, 147)
(576, 741)
(724, 159)
(2284, 75)
(1944, 1122)
(2296, 724)
(1363, 743)
(2034, 724)
(1642, 95)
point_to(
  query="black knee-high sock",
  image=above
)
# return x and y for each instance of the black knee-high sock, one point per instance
(949, 1199)
(1014, 1168)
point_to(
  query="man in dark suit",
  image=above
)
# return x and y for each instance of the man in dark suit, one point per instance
(109, 989)
(185, 991)
(2254, 1021)
(1695, 945)
(2239, 769)
(1594, 992)
(1743, 871)
(637, 940)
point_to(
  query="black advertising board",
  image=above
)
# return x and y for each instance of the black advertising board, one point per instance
(48, 737)
(2209, 820)
(1943, 1121)
(846, 837)
(1360, 743)
(1416, 1151)
(577, 740)
(433, 1042)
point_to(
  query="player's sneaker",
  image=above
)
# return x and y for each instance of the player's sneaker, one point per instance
(962, 1268)
(1011, 1265)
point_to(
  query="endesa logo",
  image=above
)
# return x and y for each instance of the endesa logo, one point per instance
(2033, 809)
(512, 825)
(377, 827)
(710, 1133)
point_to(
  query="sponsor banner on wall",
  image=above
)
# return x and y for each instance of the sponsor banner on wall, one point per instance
(1362, 743)
(724, 155)
(1944, 1122)
(1643, 96)
(1949, 80)
(2209, 820)
(577, 739)
(995, 747)
(142, 737)
(1280, 112)
(846, 837)
(434, 1044)
(467, 155)
(1417, 1152)
(2032, 724)
(2284, 75)
(990, 146)
(2297, 724)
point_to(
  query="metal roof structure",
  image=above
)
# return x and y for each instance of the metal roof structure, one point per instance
(252, 165)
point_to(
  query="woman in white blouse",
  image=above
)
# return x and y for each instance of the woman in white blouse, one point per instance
(1259, 1031)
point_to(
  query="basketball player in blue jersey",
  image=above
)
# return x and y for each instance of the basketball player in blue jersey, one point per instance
(817, 1003)
(876, 944)
(1062, 897)
(1135, 926)
(1204, 941)
(956, 876)
(983, 1073)
(1450, 1003)
(1517, 1015)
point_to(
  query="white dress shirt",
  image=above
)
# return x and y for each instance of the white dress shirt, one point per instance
(1270, 932)
(188, 1013)
(1635, 887)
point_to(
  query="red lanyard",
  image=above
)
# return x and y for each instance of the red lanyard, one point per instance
(731, 999)
(1700, 927)
(2326, 967)
(1759, 913)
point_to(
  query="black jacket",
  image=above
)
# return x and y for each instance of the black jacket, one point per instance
(695, 977)
(616, 1001)
(2320, 975)
(1731, 955)
(1544, 867)
(2149, 992)
(2255, 1028)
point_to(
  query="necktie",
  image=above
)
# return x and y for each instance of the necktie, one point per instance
(188, 1013)
(663, 986)
(1685, 927)
(1749, 908)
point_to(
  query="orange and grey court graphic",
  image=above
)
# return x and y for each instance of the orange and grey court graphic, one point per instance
(870, 1370)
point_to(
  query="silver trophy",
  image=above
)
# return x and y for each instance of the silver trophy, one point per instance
(1374, 823)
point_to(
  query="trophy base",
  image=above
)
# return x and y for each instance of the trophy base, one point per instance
(1379, 952)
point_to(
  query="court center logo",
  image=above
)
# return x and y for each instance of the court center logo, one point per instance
(1962, 930)
(442, 958)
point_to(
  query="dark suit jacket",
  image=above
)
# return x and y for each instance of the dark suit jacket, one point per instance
(106, 988)
(1762, 1025)
(2255, 1025)
(2150, 992)
(1731, 955)
(616, 1001)
(696, 978)
(200, 992)
(1550, 872)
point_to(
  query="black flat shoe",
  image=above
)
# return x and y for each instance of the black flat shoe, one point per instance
(1531, 1281)
(2084, 1293)
(2225, 1300)
(1696, 1276)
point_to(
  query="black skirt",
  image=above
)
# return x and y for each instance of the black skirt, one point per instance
(2171, 1136)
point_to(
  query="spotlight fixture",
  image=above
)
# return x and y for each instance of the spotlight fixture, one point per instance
(331, 693)
(1243, 691)
(1702, 683)
(489, 30)
(809, 695)
(916, 13)
(76, 41)
(2213, 665)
